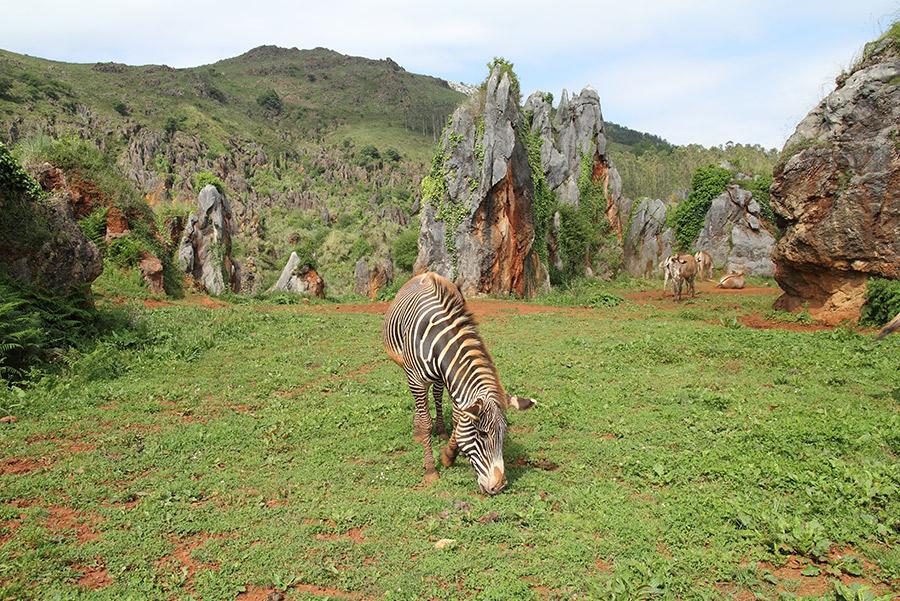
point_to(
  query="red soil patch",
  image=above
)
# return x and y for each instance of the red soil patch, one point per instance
(543, 464)
(354, 534)
(10, 526)
(155, 304)
(80, 447)
(701, 288)
(603, 565)
(65, 519)
(758, 322)
(94, 578)
(181, 560)
(321, 591)
(20, 465)
(204, 301)
(807, 586)
(258, 593)
(8, 419)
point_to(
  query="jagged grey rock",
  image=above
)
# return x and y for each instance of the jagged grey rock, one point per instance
(733, 236)
(648, 241)
(299, 278)
(372, 274)
(489, 183)
(205, 249)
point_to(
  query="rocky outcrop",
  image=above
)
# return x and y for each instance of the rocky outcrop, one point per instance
(477, 226)
(151, 269)
(205, 249)
(371, 275)
(648, 240)
(575, 132)
(735, 236)
(299, 278)
(837, 192)
(250, 277)
(45, 247)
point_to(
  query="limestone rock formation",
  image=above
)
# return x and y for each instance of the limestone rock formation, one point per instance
(371, 275)
(648, 240)
(478, 227)
(205, 249)
(837, 193)
(734, 234)
(299, 278)
(576, 131)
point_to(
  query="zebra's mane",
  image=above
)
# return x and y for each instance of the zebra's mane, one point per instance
(453, 300)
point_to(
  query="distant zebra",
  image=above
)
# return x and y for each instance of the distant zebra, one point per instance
(431, 335)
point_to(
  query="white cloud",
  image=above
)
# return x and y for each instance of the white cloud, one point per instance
(694, 70)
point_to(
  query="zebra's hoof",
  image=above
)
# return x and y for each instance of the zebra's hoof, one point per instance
(447, 458)
(431, 476)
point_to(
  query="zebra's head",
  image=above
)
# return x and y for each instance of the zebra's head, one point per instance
(480, 432)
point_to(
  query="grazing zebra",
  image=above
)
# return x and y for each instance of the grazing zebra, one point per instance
(431, 335)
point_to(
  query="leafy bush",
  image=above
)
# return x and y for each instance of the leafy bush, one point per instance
(94, 227)
(505, 67)
(706, 184)
(125, 251)
(14, 181)
(759, 187)
(392, 155)
(174, 124)
(882, 301)
(121, 108)
(271, 101)
(361, 248)
(405, 249)
(33, 322)
(204, 178)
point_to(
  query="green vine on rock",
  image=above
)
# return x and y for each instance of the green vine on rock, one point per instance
(544, 199)
(688, 217)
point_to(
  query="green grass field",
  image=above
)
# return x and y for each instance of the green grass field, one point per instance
(674, 454)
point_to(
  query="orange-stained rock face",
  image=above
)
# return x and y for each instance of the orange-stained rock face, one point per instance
(314, 282)
(152, 271)
(116, 223)
(838, 196)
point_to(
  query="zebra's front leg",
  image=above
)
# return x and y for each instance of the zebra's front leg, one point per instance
(449, 453)
(440, 428)
(422, 428)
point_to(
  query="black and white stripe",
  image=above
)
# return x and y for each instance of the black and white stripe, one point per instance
(429, 333)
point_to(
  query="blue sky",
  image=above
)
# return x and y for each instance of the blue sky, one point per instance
(691, 71)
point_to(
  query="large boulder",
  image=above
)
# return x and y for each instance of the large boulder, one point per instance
(371, 275)
(205, 249)
(837, 192)
(648, 240)
(735, 235)
(299, 278)
(40, 241)
(484, 196)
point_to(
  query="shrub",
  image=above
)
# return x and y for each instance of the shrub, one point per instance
(392, 155)
(882, 301)
(94, 227)
(759, 187)
(405, 249)
(706, 184)
(33, 322)
(14, 181)
(361, 248)
(121, 108)
(270, 100)
(174, 124)
(505, 67)
(125, 251)
(204, 178)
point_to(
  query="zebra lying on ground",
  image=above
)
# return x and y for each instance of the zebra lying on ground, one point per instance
(681, 268)
(733, 281)
(431, 335)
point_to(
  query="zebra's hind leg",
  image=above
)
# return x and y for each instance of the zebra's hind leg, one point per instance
(440, 427)
(422, 428)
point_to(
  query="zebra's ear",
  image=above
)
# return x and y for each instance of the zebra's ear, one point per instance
(520, 402)
(473, 411)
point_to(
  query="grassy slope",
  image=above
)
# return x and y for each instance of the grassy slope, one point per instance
(277, 451)
(321, 90)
